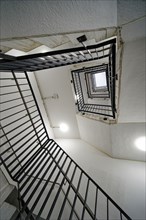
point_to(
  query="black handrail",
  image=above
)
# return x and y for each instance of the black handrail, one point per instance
(33, 165)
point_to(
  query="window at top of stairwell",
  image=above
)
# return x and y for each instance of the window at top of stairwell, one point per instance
(99, 81)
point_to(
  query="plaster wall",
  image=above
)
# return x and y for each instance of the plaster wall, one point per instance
(132, 96)
(123, 138)
(62, 109)
(95, 133)
(123, 180)
(58, 16)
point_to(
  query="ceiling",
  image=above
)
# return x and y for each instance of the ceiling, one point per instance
(62, 22)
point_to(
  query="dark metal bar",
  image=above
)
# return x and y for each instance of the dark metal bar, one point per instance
(58, 192)
(21, 146)
(18, 141)
(32, 149)
(19, 126)
(66, 195)
(113, 78)
(95, 209)
(25, 104)
(99, 188)
(83, 212)
(107, 209)
(14, 121)
(51, 53)
(19, 133)
(9, 100)
(9, 93)
(27, 163)
(42, 190)
(11, 147)
(121, 218)
(75, 198)
(20, 180)
(16, 113)
(76, 214)
(11, 107)
(26, 209)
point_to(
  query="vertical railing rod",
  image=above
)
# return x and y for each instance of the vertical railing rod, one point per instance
(66, 195)
(52, 187)
(58, 192)
(75, 198)
(83, 212)
(11, 148)
(95, 209)
(25, 182)
(19, 140)
(23, 151)
(107, 209)
(29, 115)
(114, 75)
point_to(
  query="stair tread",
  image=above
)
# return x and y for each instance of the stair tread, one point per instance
(8, 211)
(5, 193)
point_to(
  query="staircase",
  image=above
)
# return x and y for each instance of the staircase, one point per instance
(50, 184)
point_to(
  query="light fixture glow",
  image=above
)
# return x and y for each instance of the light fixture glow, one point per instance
(63, 127)
(76, 97)
(141, 143)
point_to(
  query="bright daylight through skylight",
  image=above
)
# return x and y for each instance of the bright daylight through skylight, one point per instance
(100, 79)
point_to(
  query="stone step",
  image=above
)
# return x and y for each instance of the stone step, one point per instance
(8, 212)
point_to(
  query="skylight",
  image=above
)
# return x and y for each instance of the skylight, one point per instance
(100, 80)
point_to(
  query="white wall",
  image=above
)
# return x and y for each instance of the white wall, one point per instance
(123, 180)
(95, 133)
(20, 18)
(123, 138)
(132, 96)
(61, 110)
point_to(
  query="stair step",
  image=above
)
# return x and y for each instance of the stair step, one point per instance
(5, 193)
(8, 212)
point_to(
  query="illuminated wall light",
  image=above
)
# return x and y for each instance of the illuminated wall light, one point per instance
(64, 127)
(141, 143)
(42, 58)
(76, 97)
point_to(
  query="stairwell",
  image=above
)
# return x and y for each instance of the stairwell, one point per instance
(50, 185)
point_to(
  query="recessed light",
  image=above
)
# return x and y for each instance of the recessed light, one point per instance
(141, 143)
(64, 127)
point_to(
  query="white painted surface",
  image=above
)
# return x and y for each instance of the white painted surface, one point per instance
(8, 212)
(130, 10)
(132, 97)
(123, 180)
(123, 138)
(55, 16)
(95, 133)
(61, 110)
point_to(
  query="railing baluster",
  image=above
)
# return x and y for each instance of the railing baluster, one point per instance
(107, 209)
(83, 212)
(75, 198)
(66, 195)
(95, 209)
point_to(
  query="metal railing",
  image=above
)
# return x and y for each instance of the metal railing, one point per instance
(99, 101)
(50, 184)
